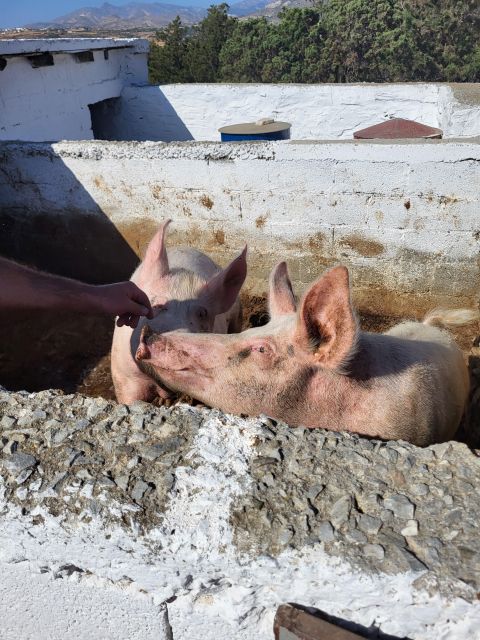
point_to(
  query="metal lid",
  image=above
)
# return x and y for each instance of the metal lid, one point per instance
(265, 125)
(398, 128)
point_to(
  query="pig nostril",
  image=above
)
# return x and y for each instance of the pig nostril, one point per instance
(142, 352)
(145, 333)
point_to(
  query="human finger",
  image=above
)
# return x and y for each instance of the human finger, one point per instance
(140, 297)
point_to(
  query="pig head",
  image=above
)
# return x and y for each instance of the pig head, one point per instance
(189, 293)
(312, 366)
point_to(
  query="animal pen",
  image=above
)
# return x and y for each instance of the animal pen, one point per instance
(196, 523)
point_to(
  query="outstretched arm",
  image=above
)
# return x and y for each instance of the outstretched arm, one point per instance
(25, 288)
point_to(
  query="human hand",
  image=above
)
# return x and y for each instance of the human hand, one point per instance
(125, 300)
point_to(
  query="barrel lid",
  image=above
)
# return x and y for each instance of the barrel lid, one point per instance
(252, 128)
(398, 128)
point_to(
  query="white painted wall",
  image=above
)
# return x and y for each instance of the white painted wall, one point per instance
(403, 216)
(316, 112)
(51, 103)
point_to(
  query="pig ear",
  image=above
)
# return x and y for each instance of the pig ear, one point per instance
(327, 325)
(281, 299)
(156, 259)
(221, 291)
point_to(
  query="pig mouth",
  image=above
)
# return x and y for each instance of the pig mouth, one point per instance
(180, 380)
(166, 363)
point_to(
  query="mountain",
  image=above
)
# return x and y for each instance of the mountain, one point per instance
(269, 8)
(152, 15)
(129, 16)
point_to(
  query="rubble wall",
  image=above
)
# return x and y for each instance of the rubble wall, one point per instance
(218, 519)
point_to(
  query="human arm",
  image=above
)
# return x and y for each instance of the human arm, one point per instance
(25, 288)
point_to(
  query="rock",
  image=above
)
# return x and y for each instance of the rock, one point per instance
(21, 493)
(357, 537)
(133, 462)
(105, 483)
(122, 481)
(10, 447)
(411, 529)
(7, 422)
(35, 485)
(441, 450)
(137, 422)
(325, 532)
(57, 482)
(139, 488)
(400, 506)
(374, 551)
(419, 489)
(340, 511)
(399, 559)
(369, 524)
(18, 462)
(23, 475)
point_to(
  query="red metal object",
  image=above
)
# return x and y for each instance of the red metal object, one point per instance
(398, 128)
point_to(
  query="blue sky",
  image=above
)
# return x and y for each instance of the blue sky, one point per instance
(16, 13)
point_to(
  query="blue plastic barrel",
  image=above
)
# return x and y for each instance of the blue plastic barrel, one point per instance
(265, 129)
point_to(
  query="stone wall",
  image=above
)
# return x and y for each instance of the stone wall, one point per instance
(403, 216)
(316, 112)
(51, 102)
(218, 520)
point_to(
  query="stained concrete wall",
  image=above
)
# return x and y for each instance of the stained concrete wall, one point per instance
(51, 102)
(318, 112)
(403, 216)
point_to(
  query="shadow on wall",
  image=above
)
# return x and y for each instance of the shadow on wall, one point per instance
(40, 350)
(141, 113)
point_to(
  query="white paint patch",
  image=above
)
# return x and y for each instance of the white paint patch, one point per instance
(190, 562)
(38, 605)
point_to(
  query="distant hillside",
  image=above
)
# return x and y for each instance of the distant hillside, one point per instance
(157, 14)
(132, 15)
(265, 7)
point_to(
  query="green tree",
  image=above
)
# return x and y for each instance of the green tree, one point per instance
(206, 43)
(247, 51)
(297, 42)
(371, 41)
(168, 61)
(450, 30)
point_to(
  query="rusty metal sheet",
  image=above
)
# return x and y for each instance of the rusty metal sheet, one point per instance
(398, 128)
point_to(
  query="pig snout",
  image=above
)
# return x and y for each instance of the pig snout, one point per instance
(147, 339)
(159, 351)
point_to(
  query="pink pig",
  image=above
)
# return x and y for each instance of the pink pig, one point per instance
(188, 292)
(312, 366)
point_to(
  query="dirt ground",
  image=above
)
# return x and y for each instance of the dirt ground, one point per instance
(41, 351)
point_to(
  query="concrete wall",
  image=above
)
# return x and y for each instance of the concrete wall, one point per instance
(51, 102)
(403, 216)
(318, 112)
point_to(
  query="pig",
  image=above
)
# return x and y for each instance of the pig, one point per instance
(312, 366)
(188, 292)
